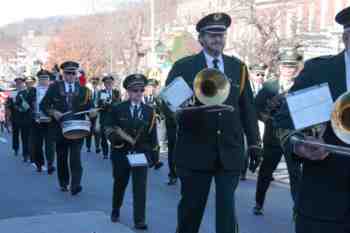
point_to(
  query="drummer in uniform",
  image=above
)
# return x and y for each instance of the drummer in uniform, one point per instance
(40, 131)
(106, 99)
(138, 121)
(62, 97)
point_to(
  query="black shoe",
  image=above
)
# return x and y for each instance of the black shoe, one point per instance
(98, 150)
(39, 168)
(105, 156)
(158, 165)
(141, 226)
(172, 181)
(15, 153)
(25, 160)
(74, 191)
(64, 188)
(258, 210)
(115, 216)
(50, 170)
(243, 177)
(88, 150)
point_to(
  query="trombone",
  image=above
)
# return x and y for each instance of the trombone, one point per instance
(211, 89)
(340, 123)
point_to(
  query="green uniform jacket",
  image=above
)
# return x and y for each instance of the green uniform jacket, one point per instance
(268, 91)
(120, 116)
(205, 137)
(325, 185)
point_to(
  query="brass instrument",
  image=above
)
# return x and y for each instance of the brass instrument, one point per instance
(119, 132)
(211, 88)
(340, 122)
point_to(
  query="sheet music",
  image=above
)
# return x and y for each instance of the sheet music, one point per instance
(176, 93)
(137, 160)
(310, 106)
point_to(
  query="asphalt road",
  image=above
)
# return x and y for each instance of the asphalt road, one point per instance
(26, 193)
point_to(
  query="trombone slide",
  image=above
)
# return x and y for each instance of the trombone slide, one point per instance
(341, 150)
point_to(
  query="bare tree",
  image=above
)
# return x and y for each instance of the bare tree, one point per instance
(266, 31)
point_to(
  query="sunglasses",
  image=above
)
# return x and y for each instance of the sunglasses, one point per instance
(138, 90)
(262, 75)
(69, 72)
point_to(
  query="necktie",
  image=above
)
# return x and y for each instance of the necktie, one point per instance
(70, 95)
(216, 63)
(135, 113)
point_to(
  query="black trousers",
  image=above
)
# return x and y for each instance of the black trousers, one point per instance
(40, 138)
(121, 175)
(104, 143)
(195, 187)
(21, 130)
(272, 156)
(69, 150)
(310, 225)
(171, 135)
(94, 133)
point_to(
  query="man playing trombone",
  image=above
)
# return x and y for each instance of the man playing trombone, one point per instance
(210, 143)
(324, 191)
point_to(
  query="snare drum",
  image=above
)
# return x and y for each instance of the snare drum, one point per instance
(76, 129)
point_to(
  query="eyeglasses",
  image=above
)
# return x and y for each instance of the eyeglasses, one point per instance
(138, 90)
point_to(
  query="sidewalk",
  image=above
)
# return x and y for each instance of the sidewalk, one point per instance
(84, 222)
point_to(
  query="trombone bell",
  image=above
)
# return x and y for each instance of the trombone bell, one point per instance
(340, 119)
(211, 87)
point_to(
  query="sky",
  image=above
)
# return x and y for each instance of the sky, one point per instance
(18, 10)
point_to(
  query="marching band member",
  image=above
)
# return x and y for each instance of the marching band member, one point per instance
(137, 122)
(19, 114)
(209, 145)
(61, 97)
(257, 77)
(289, 63)
(151, 99)
(40, 135)
(95, 130)
(323, 194)
(106, 99)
